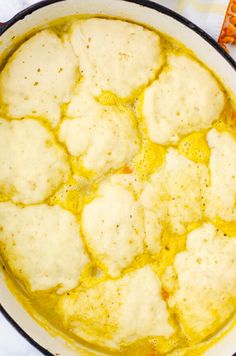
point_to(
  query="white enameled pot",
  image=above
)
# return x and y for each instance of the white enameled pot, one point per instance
(141, 11)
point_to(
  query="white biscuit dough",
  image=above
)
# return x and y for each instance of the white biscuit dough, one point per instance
(221, 195)
(113, 226)
(173, 197)
(104, 137)
(42, 246)
(118, 312)
(206, 273)
(115, 55)
(32, 164)
(185, 98)
(38, 78)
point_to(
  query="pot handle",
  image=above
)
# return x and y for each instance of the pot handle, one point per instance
(228, 32)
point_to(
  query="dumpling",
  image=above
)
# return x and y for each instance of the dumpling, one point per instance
(173, 197)
(32, 164)
(104, 137)
(38, 78)
(206, 294)
(112, 224)
(221, 195)
(185, 98)
(116, 56)
(118, 312)
(42, 245)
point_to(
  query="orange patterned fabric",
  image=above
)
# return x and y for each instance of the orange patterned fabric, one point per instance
(228, 32)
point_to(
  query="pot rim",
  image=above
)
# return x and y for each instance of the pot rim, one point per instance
(26, 336)
(146, 3)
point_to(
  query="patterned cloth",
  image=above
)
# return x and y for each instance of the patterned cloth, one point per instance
(217, 17)
(207, 14)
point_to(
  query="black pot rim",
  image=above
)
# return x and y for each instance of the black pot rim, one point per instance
(23, 333)
(146, 3)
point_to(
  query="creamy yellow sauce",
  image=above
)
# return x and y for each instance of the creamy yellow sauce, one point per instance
(77, 192)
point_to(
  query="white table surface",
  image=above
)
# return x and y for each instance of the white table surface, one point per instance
(11, 343)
